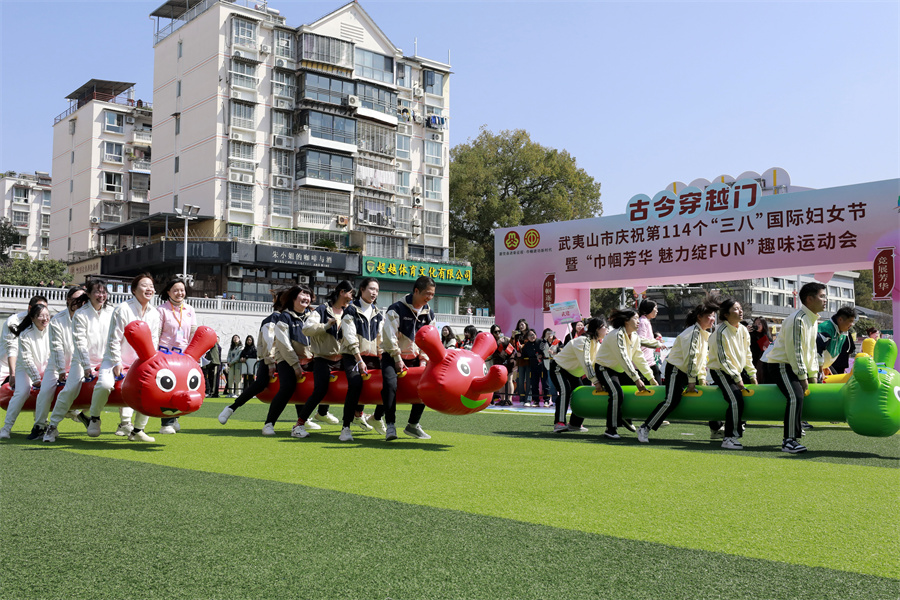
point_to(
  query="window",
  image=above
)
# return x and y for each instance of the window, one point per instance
(403, 146)
(283, 84)
(386, 247)
(138, 210)
(327, 50)
(242, 115)
(377, 138)
(111, 212)
(46, 201)
(244, 232)
(45, 243)
(177, 163)
(433, 222)
(433, 153)
(325, 89)
(178, 52)
(376, 98)
(243, 74)
(321, 165)
(433, 82)
(71, 186)
(282, 122)
(318, 207)
(331, 127)
(45, 221)
(113, 152)
(20, 194)
(114, 122)
(244, 33)
(282, 162)
(374, 66)
(140, 181)
(404, 75)
(284, 44)
(112, 182)
(178, 89)
(242, 155)
(240, 196)
(19, 218)
(282, 203)
(433, 188)
(73, 158)
(403, 183)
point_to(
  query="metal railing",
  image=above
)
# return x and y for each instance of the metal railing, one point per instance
(141, 165)
(143, 137)
(103, 98)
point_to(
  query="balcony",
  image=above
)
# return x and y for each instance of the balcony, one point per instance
(142, 138)
(136, 104)
(139, 195)
(140, 164)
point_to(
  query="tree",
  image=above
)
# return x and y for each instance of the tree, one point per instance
(507, 180)
(25, 271)
(9, 236)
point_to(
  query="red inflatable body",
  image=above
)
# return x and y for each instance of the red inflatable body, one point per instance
(455, 382)
(157, 384)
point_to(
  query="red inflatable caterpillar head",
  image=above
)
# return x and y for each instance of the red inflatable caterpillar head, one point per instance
(458, 382)
(165, 385)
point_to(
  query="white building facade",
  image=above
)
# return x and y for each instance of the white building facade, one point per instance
(26, 203)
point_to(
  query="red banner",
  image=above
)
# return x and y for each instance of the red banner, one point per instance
(549, 291)
(883, 274)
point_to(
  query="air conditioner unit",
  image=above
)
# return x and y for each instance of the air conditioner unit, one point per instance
(433, 171)
(418, 118)
(281, 182)
(239, 136)
(264, 48)
(120, 197)
(418, 92)
(303, 279)
(129, 120)
(280, 63)
(238, 95)
(285, 142)
(95, 220)
(284, 104)
(235, 271)
(353, 101)
(417, 201)
(237, 54)
(361, 144)
(416, 190)
(343, 221)
(234, 176)
(436, 137)
(246, 178)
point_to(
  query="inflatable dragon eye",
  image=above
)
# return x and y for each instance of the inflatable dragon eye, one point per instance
(485, 368)
(194, 380)
(463, 367)
(165, 379)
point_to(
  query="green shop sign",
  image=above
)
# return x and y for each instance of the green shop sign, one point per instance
(387, 268)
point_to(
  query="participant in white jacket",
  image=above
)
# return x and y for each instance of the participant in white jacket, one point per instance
(119, 352)
(90, 330)
(9, 345)
(60, 358)
(33, 353)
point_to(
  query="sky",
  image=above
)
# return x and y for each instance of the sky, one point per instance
(640, 93)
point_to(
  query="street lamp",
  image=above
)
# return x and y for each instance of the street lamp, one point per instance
(189, 213)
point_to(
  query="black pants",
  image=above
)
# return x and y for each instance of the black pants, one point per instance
(211, 372)
(735, 399)
(539, 383)
(287, 382)
(355, 384)
(389, 391)
(256, 386)
(782, 375)
(566, 383)
(676, 381)
(322, 368)
(715, 425)
(612, 382)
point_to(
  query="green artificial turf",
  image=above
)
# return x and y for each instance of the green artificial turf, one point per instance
(495, 506)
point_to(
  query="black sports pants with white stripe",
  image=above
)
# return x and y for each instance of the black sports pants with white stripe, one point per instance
(676, 381)
(612, 382)
(787, 381)
(735, 399)
(566, 383)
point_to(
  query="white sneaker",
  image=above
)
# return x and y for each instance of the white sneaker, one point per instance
(123, 429)
(93, 428)
(140, 436)
(363, 422)
(732, 443)
(225, 414)
(299, 431)
(346, 436)
(529, 404)
(268, 429)
(176, 425)
(312, 425)
(167, 430)
(378, 425)
(643, 434)
(5, 432)
(327, 418)
(51, 434)
(416, 431)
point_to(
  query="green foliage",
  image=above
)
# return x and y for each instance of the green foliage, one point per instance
(9, 236)
(605, 301)
(861, 325)
(505, 180)
(25, 271)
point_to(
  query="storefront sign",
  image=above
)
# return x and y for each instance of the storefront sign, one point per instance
(85, 267)
(332, 261)
(390, 268)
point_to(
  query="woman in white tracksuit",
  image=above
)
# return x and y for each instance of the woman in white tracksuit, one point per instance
(34, 352)
(570, 365)
(60, 328)
(119, 352)
(90, 330)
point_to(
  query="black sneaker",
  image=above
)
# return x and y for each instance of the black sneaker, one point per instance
(85, 420)
(805, 425)
(37, 433)
(793, 446)
(611, 434)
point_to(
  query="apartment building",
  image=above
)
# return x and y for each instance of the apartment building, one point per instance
(101, 167)
(311, 154)
(25, 204)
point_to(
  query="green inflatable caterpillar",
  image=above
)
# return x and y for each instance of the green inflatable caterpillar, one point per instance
(869, 402)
